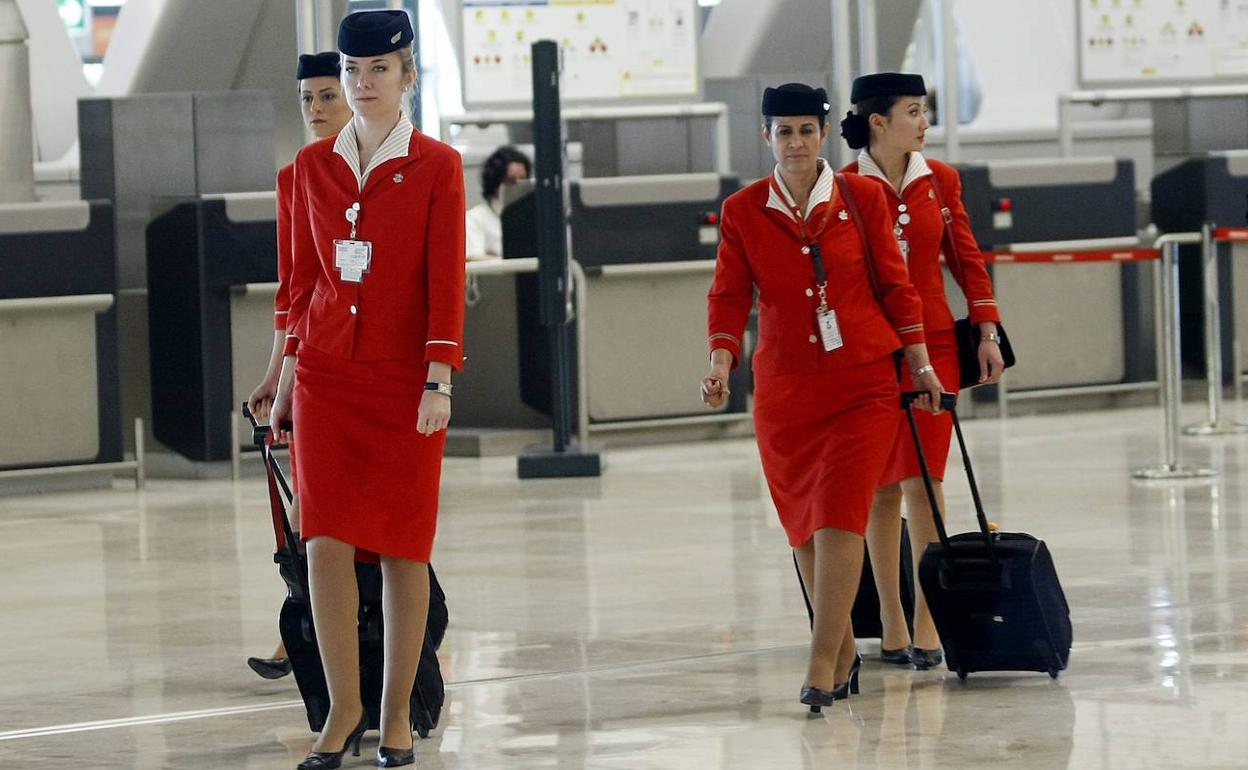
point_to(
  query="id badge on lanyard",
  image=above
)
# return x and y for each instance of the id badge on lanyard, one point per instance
(353, 258)
(829, 328)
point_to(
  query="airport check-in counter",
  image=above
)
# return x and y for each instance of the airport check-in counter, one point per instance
(211, 277)
(1209, 190)
(1102, 309)
(647, 245)
(60, 393)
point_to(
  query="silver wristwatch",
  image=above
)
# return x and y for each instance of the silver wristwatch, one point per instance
(441, 387)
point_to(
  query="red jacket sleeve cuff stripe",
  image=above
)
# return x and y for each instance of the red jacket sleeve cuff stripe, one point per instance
(726, 342)
(444, 352)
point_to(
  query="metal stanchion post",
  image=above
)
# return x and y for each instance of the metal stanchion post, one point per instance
(1171, 380)
(140, 460)
(1239, 374)
(1215, 425)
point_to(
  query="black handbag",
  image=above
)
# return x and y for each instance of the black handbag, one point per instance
(968, 337)
(966, 333)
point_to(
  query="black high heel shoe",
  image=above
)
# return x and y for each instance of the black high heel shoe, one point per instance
(900, 656)
(845, 689)
(270, 668)
(926, 659)
(329, 760)
(388, 757)
(816, 698)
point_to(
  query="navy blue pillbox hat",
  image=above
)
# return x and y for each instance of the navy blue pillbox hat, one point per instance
(887, 84)
(795, 99)
(374, 33)
(318, 65)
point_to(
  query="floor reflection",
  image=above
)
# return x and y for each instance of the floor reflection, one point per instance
(645, 620)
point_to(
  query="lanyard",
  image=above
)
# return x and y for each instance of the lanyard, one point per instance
(816, 253)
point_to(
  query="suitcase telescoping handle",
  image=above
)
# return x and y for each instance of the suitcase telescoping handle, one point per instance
(949, 403)
(278, 486)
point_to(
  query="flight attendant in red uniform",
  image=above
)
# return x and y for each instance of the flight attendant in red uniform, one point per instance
(374, 331)
(888, 125)
(832, 315)
(325, 112)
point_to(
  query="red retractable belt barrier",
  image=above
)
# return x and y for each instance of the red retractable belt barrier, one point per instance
(1093, 255)
(1231, 234)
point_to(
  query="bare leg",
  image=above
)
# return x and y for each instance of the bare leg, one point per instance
(884, 545)
(847, 651)
(294, 511)
(922, 532)
(831, 564)
(405, 606)
(280, 652)
(335, 608)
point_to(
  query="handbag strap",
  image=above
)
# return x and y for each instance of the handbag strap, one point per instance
(947, 244)
(851, 205)
(948, 402)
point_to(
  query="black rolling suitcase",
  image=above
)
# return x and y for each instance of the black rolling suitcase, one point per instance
(298, 635)
(995, 596)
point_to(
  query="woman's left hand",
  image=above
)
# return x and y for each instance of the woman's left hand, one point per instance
(991, 364)
(434, 413)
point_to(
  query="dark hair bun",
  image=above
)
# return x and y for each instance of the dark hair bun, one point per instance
(856, 130)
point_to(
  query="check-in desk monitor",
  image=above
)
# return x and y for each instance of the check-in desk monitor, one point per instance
(1072, 323)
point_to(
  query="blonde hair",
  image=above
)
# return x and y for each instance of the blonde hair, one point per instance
(407, 58)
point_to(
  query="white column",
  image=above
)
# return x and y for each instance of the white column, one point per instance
(842, 75)
(868, 38)
(17, 150)
(948, 91)
(305, 25)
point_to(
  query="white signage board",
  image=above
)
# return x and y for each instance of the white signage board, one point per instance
(612, 49)
(1172, 42)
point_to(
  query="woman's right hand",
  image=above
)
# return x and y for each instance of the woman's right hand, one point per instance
(282, 413)
(715, 386)
(260, 402)
(279, 416)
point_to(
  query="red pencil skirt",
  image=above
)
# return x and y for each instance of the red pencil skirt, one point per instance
(935, 430)
(824, 439)
(366, 476)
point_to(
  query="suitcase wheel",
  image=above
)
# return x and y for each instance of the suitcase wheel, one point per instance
(422, 731)
(1053, 672)
(962, 674)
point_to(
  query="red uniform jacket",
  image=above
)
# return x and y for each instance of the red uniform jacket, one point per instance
(762, 247)
(924, 233)
(411, 302)
(281, 300)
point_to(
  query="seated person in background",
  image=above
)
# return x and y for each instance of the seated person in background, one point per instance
(506, 165)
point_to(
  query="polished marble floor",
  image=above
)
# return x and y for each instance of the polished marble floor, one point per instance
(647, 620)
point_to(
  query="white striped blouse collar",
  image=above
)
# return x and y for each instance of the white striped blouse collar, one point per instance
(916, 168)
(395, 146)
(781, 199)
